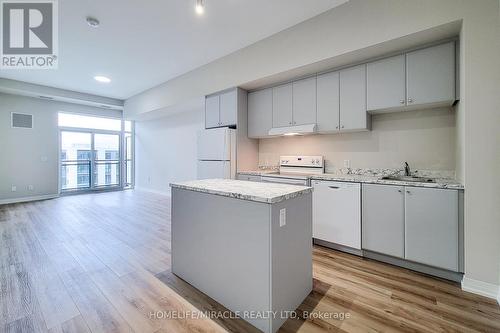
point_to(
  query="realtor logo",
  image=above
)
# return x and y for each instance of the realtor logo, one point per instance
(29, 34)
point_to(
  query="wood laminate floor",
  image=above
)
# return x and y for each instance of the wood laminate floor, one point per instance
(101, 263)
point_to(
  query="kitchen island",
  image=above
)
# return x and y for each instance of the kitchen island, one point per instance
(247, 245)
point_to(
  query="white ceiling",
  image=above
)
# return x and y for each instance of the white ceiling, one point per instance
(141, 44)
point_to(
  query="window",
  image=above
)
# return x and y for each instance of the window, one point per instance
(96, 152)
(79, 121)
(82, 171)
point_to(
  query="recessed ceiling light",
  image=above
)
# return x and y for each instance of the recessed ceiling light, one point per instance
(200, 7)
(103, 79)
(92, 21)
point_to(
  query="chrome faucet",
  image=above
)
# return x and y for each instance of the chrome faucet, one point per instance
(407, 169)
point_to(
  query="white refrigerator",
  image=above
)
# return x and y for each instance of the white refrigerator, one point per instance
(217, 153)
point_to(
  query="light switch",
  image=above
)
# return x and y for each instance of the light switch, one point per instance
(14, 188)
(282, 217)
(347, 163)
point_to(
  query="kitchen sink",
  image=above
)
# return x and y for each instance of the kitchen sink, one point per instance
(410, 179)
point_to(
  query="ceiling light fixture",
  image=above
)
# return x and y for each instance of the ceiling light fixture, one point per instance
(102, 79)
(291, 134)
(92, 21)
(199, 7)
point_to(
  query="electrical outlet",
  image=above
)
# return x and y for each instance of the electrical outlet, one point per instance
(347, 163)
(282, 217)
(14, 188)
(30, 187)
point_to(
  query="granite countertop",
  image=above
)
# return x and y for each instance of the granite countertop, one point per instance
(253, 191)
(445, 183)
(438, 182)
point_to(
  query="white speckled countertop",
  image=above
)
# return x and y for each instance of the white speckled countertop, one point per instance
(445, 183)
(253, 191)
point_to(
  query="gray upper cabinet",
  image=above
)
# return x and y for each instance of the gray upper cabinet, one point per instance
(228, 108)
(430, 75)
(260, 113)
(282, 105)
(304, 101)
(212, 111)
(383, 219)
(431, 227)
(328, 102)
(353, 115)
(221, 109)
(385, 83)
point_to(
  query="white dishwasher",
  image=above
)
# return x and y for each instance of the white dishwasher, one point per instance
(337, 213)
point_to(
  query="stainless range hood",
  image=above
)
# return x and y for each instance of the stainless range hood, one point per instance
(294, 130)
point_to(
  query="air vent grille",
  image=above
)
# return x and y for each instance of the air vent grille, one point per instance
(21, 120)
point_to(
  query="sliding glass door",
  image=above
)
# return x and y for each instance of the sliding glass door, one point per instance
(106, 160)
(76, 161)
(90, 160)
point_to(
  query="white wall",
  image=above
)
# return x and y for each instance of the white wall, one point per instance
(22, 150)
(166, 150)
(426, 139)
(362, 24)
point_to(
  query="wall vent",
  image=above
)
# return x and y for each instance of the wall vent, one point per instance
(21, 120)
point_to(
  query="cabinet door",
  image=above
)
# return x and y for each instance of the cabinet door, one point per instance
(383, 219)
(282, 105)
(328, 102)
(260, 113)
(385, 83)
(353, 114)
(304, 101)
(228, 108)
(431, 227)
(430, 74)
(212, 111)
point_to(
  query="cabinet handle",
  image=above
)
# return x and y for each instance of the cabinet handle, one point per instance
(400, 191)
(342, 126)
(410, 100)
(336, 127)
(402, 101)
(290, 123)
(408, 192)
(334, 187)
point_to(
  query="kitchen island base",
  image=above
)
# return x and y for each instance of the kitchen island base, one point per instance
(242, 254)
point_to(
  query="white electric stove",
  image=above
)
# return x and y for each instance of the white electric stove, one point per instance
(296, 170)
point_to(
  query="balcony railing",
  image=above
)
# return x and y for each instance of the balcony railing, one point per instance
(85, 174)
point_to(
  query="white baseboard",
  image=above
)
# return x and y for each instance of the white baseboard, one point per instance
(481, 288)
(145, 189)
(26, 199)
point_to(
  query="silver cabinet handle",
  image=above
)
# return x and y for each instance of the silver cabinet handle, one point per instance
(408, 192)
(400, 191)
(410, 100)
(402, 101)
(334, 187)
(336, 127)
(342, 126)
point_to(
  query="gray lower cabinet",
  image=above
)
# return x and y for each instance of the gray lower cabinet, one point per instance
(282, 105)
(430, 75)
(385, 83)
(260, 113)
(431, 227)
(383, 219)
(353, 115)
(304, 101)
(328, 102)
(251, 178)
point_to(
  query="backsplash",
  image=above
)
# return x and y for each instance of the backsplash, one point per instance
(425, 139)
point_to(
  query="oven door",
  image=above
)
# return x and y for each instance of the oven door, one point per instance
(284, 180)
